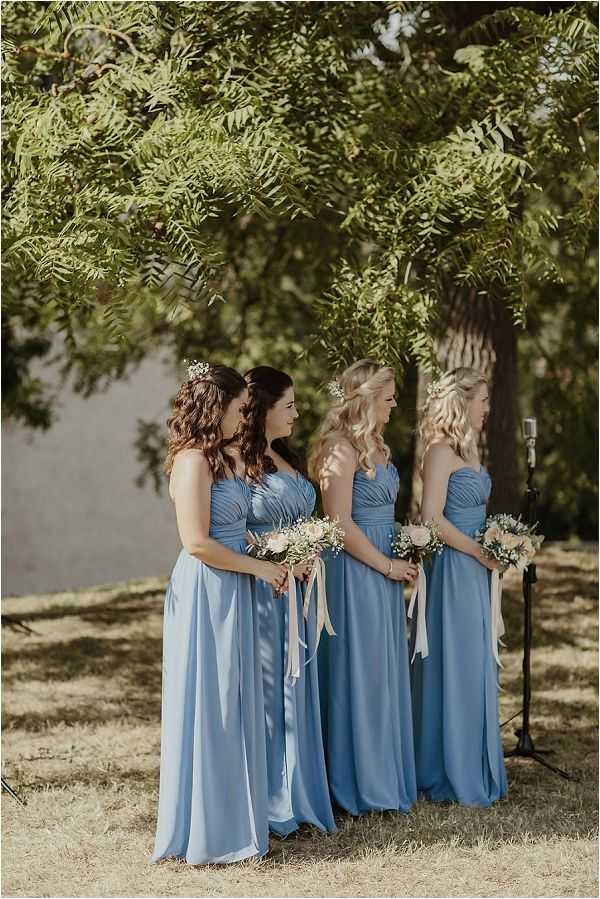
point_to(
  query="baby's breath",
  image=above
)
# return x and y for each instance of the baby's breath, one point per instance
(403, 546)
(300, 541)
(493, 539)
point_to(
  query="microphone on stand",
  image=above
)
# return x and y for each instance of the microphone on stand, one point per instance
(525, 747)
(529, 428)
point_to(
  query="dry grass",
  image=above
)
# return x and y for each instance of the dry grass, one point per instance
(81, 742)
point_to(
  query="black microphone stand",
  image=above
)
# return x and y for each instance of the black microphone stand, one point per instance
(525, 747)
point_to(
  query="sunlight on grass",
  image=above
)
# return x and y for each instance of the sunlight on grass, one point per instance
(81, 715)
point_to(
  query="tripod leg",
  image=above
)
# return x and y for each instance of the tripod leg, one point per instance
(6, 786)
(553, 768)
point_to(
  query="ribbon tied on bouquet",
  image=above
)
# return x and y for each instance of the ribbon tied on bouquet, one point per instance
(497, 622)
(317, 577)
(293, 637)
(419, 596)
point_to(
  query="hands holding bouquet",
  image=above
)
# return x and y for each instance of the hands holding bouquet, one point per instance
(416, 543)
(298, 547)
(511, 544)
(509, 541)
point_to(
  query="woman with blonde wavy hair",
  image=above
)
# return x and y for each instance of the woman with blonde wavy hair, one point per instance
(363, 670)
(458, 750)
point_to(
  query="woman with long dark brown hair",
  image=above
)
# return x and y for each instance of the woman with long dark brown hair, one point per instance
(213, 779)
(298, 791)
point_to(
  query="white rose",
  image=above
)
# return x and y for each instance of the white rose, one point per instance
(511, 540)
(528, 548)
(278, 543)
(314, 530)
(419, 535)
(492, 533)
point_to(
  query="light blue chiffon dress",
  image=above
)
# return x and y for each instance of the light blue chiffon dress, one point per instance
(213, 775)
(455, 695)
(297, 777)
(365, 681)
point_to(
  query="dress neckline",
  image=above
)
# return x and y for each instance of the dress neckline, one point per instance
(468, 468)
(285, 474)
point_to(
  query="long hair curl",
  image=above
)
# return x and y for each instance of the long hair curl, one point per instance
(353, 417)
(266, 386)
(196, 417)
(445, 413)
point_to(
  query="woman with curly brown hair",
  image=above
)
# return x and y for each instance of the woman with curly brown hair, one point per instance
(213, 779)
(280, 494)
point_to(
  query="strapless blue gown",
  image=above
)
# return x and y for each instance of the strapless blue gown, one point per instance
(365, 681)
(297, 778)
(455, 696)
(213, 777)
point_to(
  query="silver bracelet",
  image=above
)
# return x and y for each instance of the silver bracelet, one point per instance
(389, 571)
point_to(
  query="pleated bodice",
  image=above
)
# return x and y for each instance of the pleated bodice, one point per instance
(466, 499)
(373, 499)
(229, 508)
(280, 499)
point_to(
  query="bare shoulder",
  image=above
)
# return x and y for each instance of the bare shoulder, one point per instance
(190, 460)
(440, 456)
(189, 467)
(339, 456)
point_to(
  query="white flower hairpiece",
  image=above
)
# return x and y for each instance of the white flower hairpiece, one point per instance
(335, 390)
(197, 369)
(435, 388)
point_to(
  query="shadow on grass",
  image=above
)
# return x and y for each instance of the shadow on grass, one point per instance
(105, 612)
(129, 664)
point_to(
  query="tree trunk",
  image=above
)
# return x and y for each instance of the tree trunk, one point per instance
(477, 331)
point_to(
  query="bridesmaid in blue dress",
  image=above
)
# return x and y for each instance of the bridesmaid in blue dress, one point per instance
(280, 494)
(213, 777)
(365, 682)
(458, 748)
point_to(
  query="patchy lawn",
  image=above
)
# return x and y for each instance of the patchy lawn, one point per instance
(81, 709)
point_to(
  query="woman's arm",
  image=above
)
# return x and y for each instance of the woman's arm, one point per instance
(337, 476)
(438, 465)
(191, 483)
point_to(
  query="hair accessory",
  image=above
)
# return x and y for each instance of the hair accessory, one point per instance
(335, 390)
(197, 369)
(435, 388)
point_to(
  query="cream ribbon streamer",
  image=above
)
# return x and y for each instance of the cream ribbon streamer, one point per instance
(317, 576)
(419, 596)
(497, 622)
(293, 653)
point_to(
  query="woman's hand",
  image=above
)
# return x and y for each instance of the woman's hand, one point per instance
(491, 564)
(274, 574)
(303, 570)
(402, 571)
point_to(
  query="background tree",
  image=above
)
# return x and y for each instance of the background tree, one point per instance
(295, 183)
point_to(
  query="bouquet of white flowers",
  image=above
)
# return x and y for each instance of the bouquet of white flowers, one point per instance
(298, 542)
(510, 541)
(302, 541)
(416, 543)
(514, 544)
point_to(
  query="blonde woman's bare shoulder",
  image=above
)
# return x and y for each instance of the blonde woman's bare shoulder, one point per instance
(338, 456)
(440, 455)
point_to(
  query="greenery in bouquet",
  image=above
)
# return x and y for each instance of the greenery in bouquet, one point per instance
(298, 542)
(417, 542)
(509, 540)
